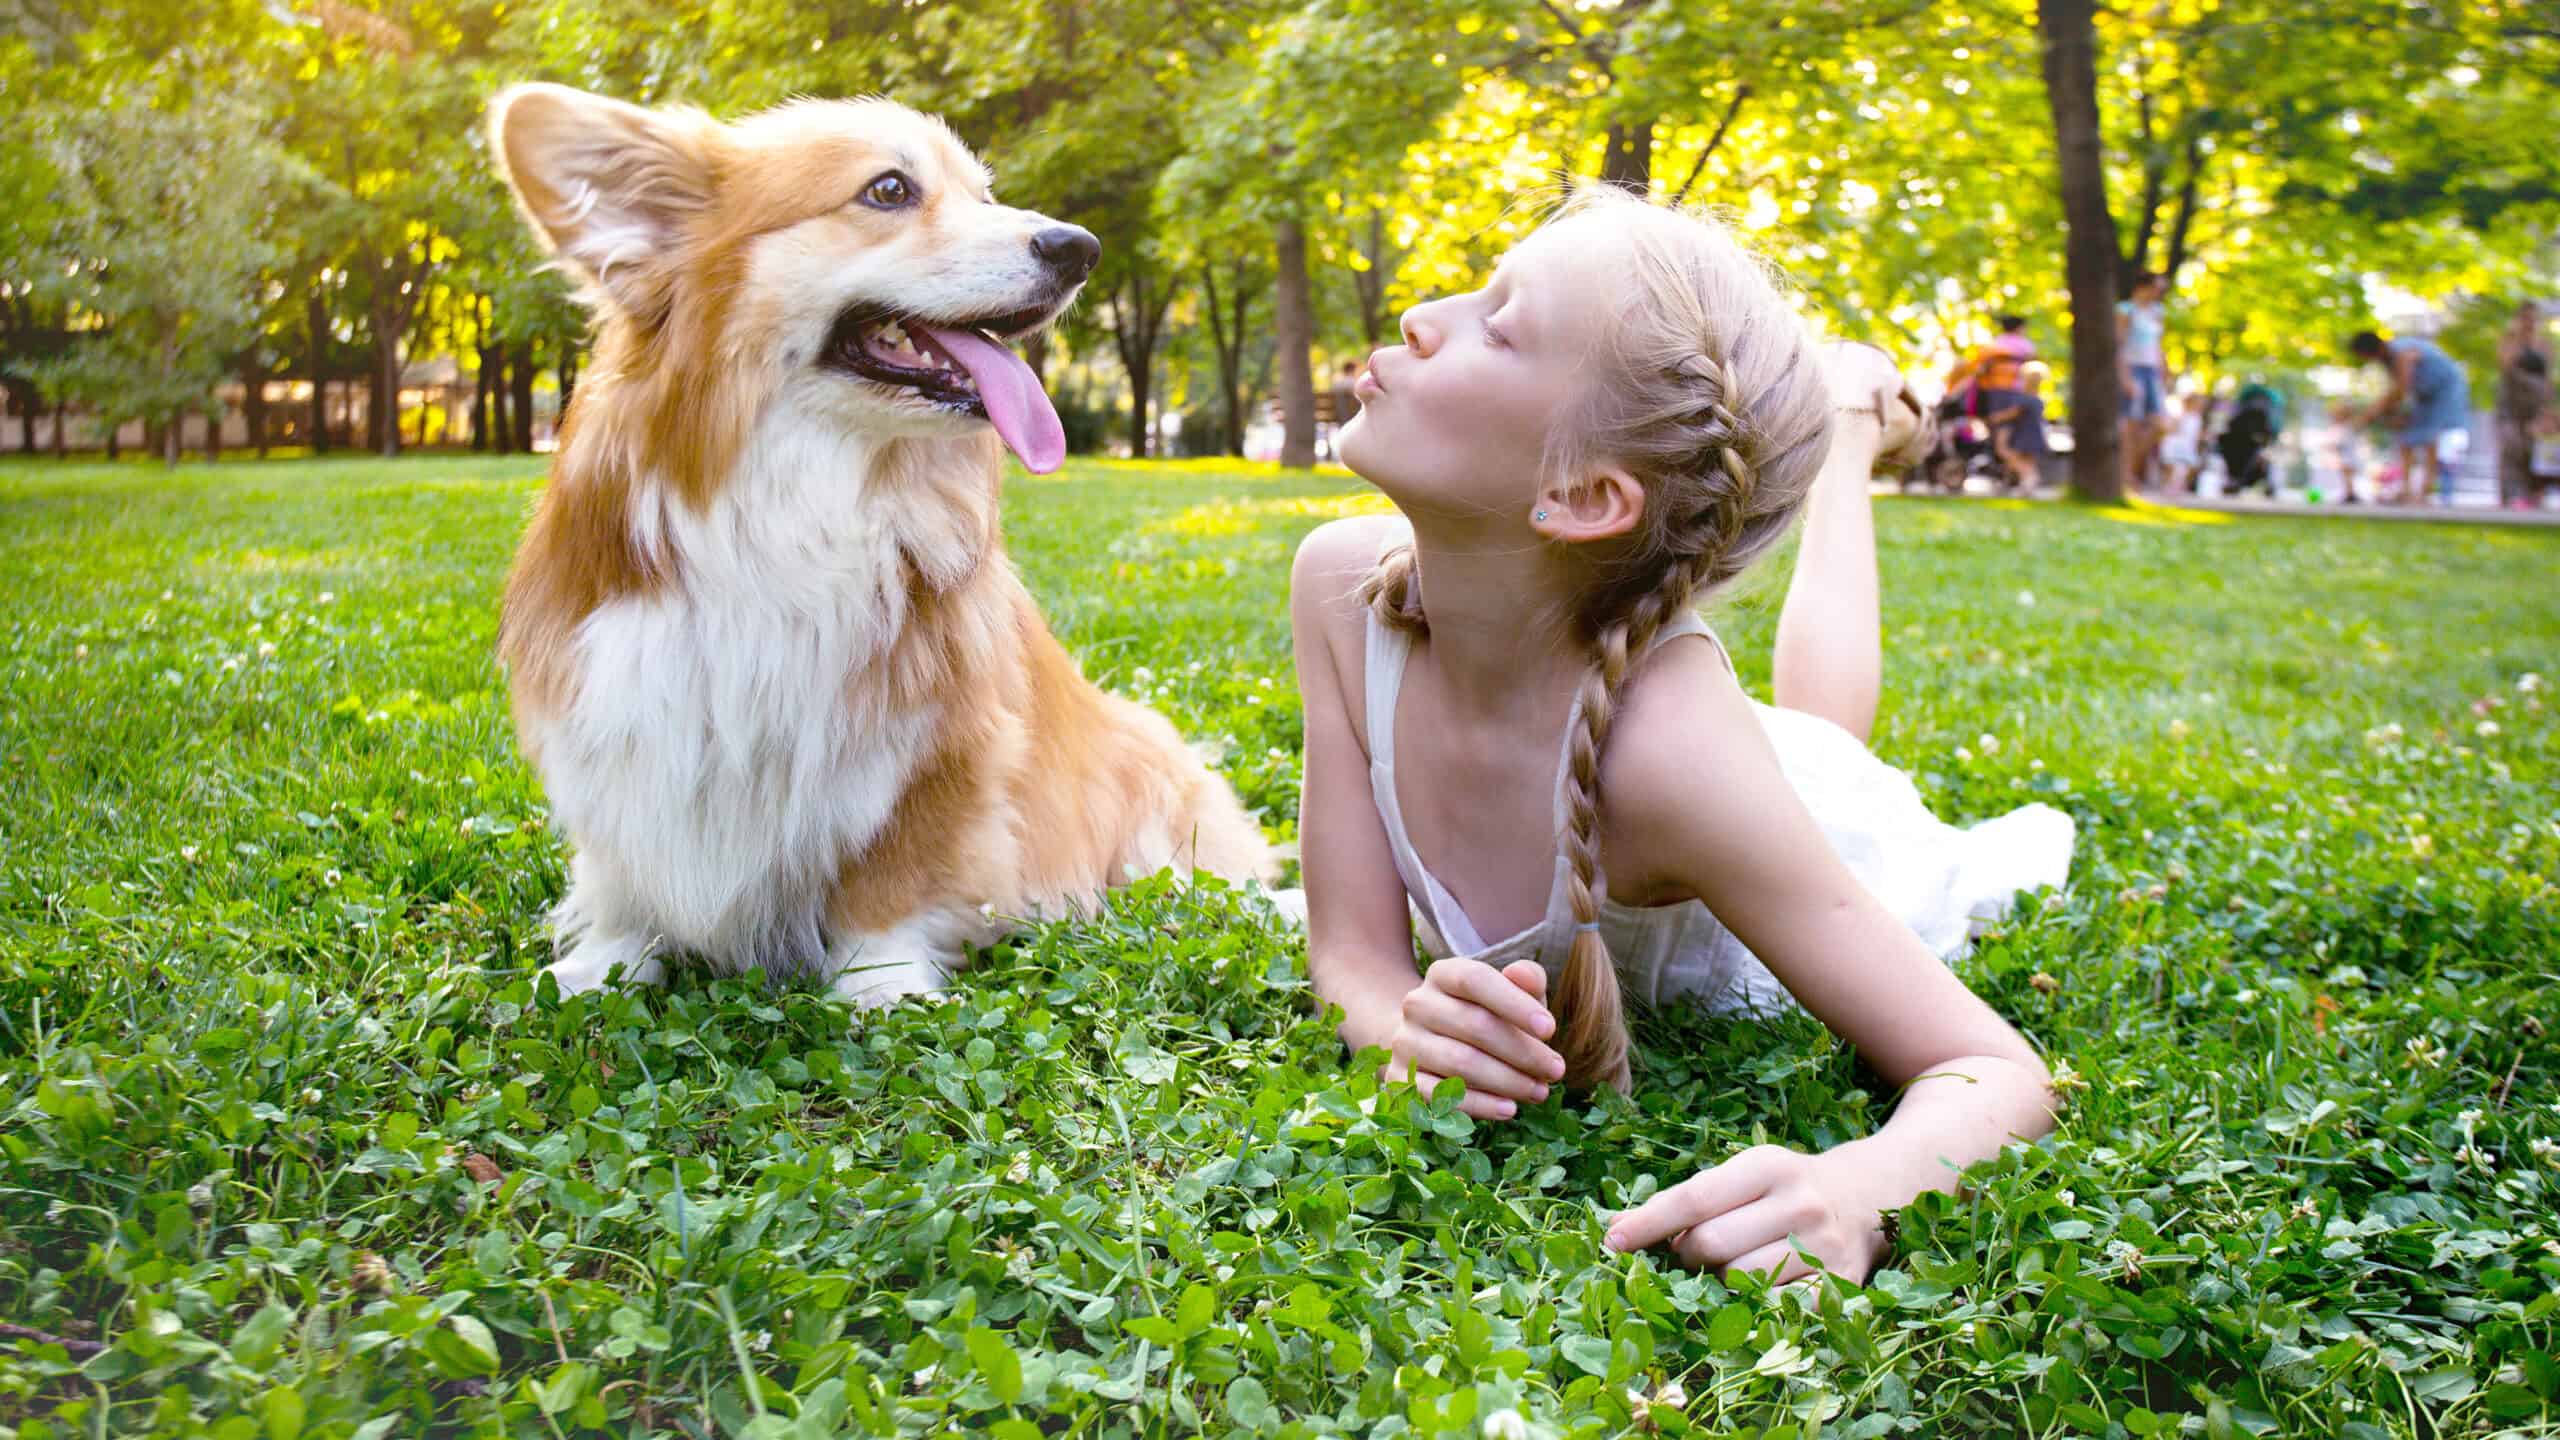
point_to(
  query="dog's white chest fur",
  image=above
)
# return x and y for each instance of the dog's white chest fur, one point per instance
(721, 756)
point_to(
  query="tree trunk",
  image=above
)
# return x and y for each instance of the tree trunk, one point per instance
(29, 401)
(172, 435)
(1293, 327)
(1135, 310)
(253, 399)
(1370, 285)
(316, 320)
(382, 417)
(1628, 161)
(520, 395)
(115, 434)
(2071, 86)
(213, 431)
(1227, 332)
(61, 429)
(484, 397)
(565, 370)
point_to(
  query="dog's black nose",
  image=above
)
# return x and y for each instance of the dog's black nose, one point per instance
(1068, 249)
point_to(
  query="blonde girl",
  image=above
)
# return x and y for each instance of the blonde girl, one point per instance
(1524, 746)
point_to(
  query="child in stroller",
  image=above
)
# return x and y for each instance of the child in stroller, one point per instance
(2248, 439)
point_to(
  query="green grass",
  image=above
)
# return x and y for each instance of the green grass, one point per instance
(293, 1144)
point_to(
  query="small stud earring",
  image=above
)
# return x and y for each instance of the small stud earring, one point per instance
(1541, 515)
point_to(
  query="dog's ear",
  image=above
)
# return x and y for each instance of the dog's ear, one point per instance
(612, 189)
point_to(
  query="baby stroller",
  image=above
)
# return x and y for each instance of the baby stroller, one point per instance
(2248, 439)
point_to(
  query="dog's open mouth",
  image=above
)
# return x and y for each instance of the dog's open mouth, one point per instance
(965, 367)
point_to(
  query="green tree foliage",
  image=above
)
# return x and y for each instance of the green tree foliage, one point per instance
(1274, 180)
(160, 274)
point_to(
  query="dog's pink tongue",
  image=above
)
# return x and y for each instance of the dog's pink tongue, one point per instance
(1016, 405)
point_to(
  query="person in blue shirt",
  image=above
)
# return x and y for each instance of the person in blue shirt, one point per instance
(2429, 398)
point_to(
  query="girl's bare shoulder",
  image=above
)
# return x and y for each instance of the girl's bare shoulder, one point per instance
(1324, 580)
(1683, 728)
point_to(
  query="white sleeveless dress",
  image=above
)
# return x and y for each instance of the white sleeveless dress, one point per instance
(1942, 880)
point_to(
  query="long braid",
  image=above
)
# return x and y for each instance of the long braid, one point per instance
(1391, 593)
(1707, 392)
(1591, 1025)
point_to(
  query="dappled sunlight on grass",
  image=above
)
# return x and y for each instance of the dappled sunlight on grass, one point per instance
(2138, 511)
(1220, 518)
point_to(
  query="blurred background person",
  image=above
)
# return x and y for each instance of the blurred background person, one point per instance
(2142, 328)
(2524, 403)
(2428, 399)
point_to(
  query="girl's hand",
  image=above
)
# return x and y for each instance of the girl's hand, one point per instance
(1739, 1215)
(1488, 1027)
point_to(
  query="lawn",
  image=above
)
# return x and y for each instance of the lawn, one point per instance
(294, 1142)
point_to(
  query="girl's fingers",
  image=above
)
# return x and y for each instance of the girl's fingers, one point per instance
(1476, 981)
(1721, 1240)
(1531, 977)
(1701, 1197)
(1780, 1254)
(1474, 1103)
(1482, 1029)
(1444, 1056)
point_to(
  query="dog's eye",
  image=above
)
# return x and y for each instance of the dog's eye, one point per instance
(892, 191)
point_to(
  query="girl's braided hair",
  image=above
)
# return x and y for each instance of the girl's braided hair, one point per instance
(1704, 385)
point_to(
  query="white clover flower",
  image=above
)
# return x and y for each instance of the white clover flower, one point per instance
(1506, 1424)
(1988, 743)
(2027, 598)
(2528, 682)
(187, 853)
(2422, 846)
(2470, 1120)
(1963, 756)
(79, 652)
(2066, 1197)
(2180, 730)
(2545, 1149)
(328, 597)
(2485, 729)
(329, 878)
(266, 648)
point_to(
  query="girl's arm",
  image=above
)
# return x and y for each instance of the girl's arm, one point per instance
(1463, 1017)
(1359, 937)
(1694, 791)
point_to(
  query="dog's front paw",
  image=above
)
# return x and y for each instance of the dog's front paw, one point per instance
(594, 962)
(872, 987)
(883, 969)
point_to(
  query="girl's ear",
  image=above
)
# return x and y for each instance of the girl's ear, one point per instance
(1602, 505)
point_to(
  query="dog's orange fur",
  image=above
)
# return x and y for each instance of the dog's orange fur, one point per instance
(1036, 788)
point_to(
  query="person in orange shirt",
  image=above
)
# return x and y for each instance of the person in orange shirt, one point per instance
(1986, 383)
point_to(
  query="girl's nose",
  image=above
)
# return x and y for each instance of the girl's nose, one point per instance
(1420, 336)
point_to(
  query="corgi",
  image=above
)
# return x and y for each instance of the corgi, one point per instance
(791, 705)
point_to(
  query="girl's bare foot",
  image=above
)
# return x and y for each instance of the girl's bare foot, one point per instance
(1865, 381)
